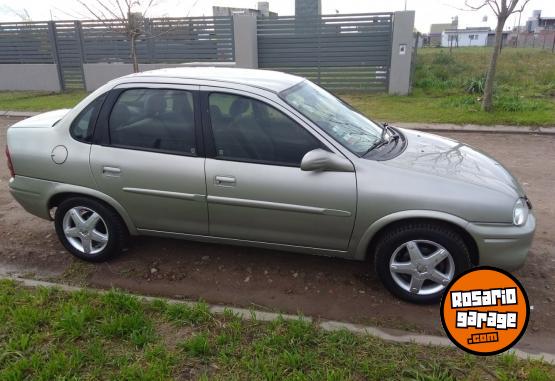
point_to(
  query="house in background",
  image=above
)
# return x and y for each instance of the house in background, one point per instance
(436, 30)
(471, 36)
(263, 10)
(537, 23)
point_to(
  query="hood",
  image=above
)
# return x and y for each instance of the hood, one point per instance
(447, 158)
(46, 119)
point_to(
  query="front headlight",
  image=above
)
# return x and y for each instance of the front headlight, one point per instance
(520, 213)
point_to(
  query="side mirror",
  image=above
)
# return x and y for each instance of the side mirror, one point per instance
(321, 160)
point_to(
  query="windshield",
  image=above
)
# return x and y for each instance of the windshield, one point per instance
(350, 128)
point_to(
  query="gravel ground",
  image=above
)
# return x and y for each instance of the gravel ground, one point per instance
(292, 283)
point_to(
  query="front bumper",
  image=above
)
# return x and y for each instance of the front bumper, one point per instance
(503, 245)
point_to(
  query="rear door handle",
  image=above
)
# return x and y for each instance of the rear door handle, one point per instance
(225, 181)
(111, 171)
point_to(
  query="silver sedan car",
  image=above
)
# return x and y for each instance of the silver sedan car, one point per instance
(271, 160)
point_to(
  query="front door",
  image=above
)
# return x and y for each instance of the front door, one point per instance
(147, 158)
(255, 187)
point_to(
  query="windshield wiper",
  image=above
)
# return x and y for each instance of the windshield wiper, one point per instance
(382, 141)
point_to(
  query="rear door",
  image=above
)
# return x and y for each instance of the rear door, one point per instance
(255, 187)
(147, 154)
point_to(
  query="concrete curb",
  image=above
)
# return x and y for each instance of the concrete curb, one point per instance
(548, 130)
(390, 335)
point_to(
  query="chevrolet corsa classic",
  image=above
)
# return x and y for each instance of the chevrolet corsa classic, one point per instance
(266, 159)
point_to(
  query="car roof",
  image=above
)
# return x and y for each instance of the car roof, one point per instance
(274, 81)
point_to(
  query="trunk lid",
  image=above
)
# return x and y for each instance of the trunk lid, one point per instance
(44, 120)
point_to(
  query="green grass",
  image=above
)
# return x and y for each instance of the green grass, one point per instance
(447, 89)
(49, 334)
(38, 101)
(457, 109)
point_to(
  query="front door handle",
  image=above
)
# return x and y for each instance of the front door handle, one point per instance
(225, 181)
(111, 171)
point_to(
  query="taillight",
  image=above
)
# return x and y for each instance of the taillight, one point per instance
(10, 164)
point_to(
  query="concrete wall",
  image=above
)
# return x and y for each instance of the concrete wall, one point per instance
(98, 74)
(246, 41)
(43, 77)
(401, 53)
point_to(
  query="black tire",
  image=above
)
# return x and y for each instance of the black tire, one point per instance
(398, 235)
(113, 225)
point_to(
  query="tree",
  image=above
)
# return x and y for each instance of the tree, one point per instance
(502, 9)
(123, 17)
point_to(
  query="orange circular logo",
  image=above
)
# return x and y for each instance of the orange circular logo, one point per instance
(485, 311)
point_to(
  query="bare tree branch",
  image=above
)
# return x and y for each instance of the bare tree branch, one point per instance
(110, 12)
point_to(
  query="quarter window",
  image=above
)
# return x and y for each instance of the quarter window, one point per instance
(154, 119)
(82, 127)
(246, 129)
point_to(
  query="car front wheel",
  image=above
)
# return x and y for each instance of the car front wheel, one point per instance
(89, 229)
(416, 261)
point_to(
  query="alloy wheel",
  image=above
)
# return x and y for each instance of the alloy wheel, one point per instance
(85, 230)
(422, 267)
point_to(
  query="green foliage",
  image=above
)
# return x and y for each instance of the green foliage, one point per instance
(475, 85)
(197, 345)
(53, 335)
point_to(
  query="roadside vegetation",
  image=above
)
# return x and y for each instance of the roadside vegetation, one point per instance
(49, 334)
(447, 89)
(38, 100)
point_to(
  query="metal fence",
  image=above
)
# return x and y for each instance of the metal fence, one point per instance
(336, 51)
(543, 40)
(70, 44)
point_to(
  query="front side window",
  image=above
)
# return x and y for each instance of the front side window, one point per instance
(350, 128)
(246, 129)
(83, 125)
(154, 119)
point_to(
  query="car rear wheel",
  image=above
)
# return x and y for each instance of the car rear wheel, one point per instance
(89, 229)
(416, 261)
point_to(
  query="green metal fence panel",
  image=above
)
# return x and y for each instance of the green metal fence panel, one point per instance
(163, 40)
(25, 43)
(339, 52)
(70, 44)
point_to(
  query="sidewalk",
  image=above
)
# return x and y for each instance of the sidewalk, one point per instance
(477, 128)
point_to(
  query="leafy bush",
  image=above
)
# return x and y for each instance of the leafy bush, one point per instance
(475, 85)
(442, 72)
(443, 59)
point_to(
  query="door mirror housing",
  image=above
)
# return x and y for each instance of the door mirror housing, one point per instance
(321, 160)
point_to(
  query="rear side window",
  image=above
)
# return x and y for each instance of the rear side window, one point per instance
(82, 127)
(154, 120)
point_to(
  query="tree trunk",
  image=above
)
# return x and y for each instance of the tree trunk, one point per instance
(134, 53)
(487, 102)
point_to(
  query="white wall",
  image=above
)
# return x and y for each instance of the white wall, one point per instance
(464, 39)
(40, 77)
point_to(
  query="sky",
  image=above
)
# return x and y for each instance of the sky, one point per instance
(427, 11)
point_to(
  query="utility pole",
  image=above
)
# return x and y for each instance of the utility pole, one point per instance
(405, 5)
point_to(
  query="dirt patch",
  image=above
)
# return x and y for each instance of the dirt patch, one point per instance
(291, 283)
